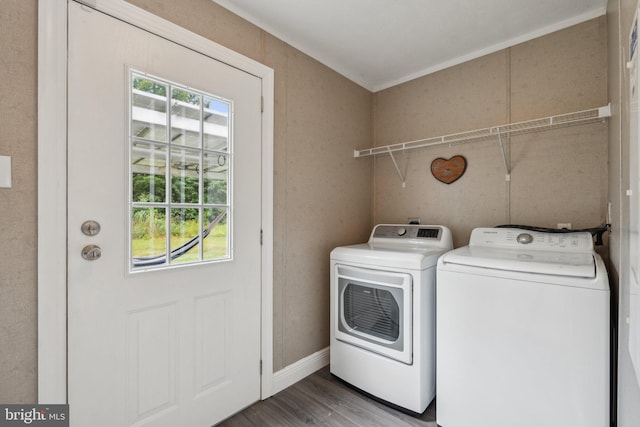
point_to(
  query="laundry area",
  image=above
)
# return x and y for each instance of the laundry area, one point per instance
(478, 146)
(458, 243)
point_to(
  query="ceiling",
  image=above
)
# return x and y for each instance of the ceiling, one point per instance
(381, 43)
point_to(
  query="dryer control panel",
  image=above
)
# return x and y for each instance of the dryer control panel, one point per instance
(409, 231)
(412, 236)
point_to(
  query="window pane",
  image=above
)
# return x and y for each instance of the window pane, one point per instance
(149, 109)
(216, 124)
(192, 161)
(185, 118)
(148, 169)
(148, 235)
(216, 178)
(185, 176)
(185, 235)
(216, 242)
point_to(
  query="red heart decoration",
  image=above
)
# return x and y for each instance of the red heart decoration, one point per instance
(450, 170)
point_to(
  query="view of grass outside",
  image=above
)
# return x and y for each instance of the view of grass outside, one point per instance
(152, 240)
(149, 224)
(180, 173)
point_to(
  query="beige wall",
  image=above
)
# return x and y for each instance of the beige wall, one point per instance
(620, 14)
(322, 195)
(18, 309)
(556, 176)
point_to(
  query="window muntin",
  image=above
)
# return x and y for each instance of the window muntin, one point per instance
(179, 201)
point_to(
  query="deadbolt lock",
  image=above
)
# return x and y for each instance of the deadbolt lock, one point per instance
(90, 228)
(91, 252)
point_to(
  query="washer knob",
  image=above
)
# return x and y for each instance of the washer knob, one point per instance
(401, 231)
(524, 238)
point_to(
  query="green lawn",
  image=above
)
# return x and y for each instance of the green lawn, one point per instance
(215, 246)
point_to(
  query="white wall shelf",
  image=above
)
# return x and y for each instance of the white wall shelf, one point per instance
(495, 132)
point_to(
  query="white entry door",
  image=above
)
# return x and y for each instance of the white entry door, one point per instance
(164, 298)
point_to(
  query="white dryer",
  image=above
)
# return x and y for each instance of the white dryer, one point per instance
(523, 331)
(383, 313)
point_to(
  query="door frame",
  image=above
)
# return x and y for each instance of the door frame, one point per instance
(52, 181)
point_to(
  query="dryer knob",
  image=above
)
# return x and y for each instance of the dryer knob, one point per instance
(401, 231)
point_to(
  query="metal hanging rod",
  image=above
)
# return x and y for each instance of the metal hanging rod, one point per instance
(536, 125)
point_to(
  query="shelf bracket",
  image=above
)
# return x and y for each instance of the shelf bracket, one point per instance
(402, 178)
(507, 172)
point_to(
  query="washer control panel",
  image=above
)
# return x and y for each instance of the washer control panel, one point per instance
(518, 238)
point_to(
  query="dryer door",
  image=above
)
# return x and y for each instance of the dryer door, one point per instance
(374, 311)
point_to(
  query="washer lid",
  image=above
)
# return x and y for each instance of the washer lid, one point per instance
(556, 263)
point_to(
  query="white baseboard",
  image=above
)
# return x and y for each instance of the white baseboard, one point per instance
(302, 368)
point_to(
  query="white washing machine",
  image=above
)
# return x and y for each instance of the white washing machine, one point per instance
(383, 313)
(523, 332)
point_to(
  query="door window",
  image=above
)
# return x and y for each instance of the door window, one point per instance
(180, 174)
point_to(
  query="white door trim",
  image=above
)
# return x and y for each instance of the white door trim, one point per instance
(52, 181)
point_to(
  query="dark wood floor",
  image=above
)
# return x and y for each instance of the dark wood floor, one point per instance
(323, 400)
